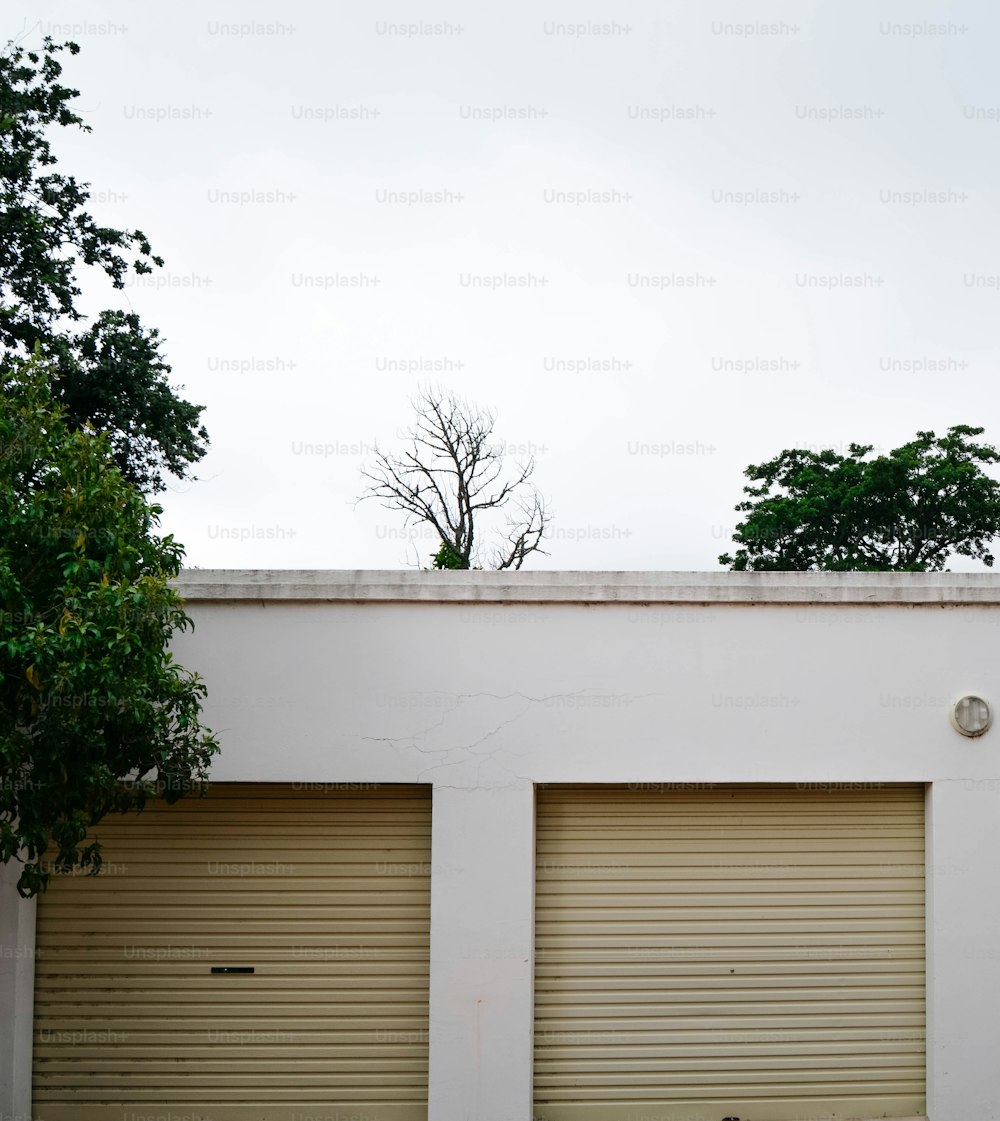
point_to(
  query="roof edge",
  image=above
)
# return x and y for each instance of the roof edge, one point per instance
(561, 586)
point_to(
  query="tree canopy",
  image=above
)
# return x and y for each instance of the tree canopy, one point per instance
(910, 510)
(95, 716)
(112, 373)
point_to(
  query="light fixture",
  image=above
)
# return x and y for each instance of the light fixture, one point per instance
(971, 716)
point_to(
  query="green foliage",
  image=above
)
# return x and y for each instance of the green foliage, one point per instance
(446, 557)
(909, 510)
(95, 717)
(112, 374)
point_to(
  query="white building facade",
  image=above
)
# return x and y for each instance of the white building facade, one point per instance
(698, 846)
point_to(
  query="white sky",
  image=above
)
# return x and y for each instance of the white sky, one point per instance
(191, 103)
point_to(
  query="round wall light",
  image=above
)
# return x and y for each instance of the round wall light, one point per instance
(971, 716)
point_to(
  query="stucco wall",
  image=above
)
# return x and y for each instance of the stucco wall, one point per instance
(491, 683)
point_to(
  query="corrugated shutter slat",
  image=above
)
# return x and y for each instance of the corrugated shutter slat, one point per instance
(750, 951)
(326, 893)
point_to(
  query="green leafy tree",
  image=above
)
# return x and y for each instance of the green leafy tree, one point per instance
(909, 510)
(111, 374)
(95, 716)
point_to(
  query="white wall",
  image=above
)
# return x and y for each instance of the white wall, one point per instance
(376, 677)
(17, 997)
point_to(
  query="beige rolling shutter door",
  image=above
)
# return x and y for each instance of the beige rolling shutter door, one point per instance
(743, 951)
(324, 891)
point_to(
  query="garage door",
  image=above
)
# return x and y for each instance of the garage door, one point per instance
(317, 903)
(752, 952)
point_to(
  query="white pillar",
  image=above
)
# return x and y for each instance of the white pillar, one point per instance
(482, 953)
(963, 942)
(17, 995)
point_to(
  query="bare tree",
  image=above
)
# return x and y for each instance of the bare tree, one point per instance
(454, 476)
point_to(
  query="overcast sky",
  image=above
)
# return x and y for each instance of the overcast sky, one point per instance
(720, 230)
